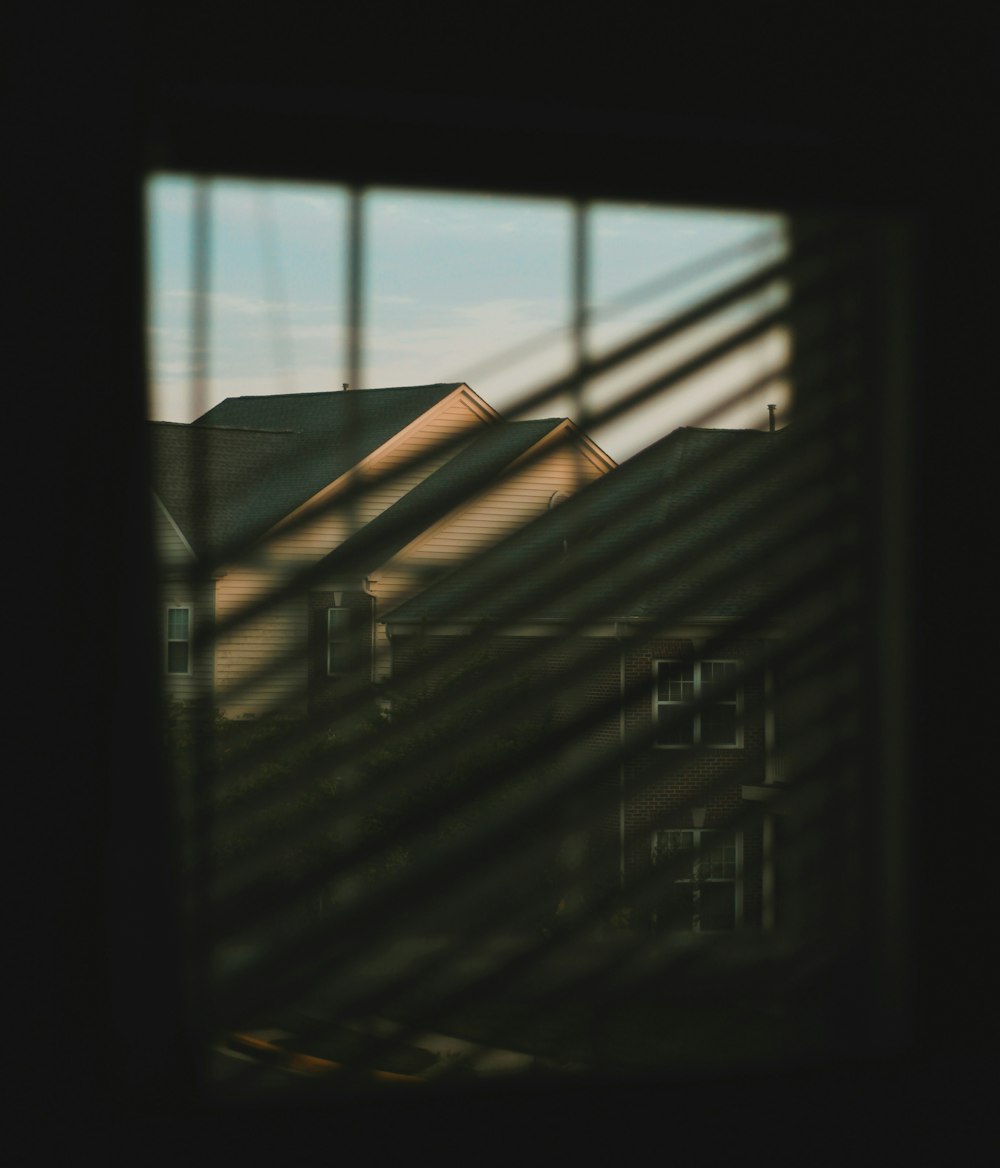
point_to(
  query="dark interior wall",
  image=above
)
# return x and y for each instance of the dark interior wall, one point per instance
(832, 114)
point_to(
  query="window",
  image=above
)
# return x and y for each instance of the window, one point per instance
(696, 703)
(707, 890)
(179, 639)
(338, 641)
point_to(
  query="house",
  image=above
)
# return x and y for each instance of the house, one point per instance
(663, 611)
(287, 525)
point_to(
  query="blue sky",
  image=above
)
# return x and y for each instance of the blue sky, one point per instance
(452, 287)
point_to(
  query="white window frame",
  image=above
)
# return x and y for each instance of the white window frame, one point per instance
(168, 640)
(343, 640)
(697, 877)
(697, 689)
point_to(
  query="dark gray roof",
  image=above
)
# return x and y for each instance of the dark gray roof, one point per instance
(227, 487)
(471, 469)
(249, 461)
(363, 418)
(684, 529)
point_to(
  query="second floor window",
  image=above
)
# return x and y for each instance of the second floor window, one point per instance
(697, 703)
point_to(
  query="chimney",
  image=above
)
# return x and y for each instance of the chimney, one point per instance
(770, 416)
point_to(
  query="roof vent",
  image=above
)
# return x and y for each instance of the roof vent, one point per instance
(770, 416)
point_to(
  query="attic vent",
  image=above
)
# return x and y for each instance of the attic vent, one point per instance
(557, 498)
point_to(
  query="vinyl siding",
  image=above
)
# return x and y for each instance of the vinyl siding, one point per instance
(261, 664)
(503, 509)
(333, 523)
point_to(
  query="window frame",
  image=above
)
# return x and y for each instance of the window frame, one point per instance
(168, 640)
(696, 713)
(696, 879)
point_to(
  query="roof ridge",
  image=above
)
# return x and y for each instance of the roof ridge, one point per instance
(198, 427)
(338, 392)
(724, 430)
(528, 421)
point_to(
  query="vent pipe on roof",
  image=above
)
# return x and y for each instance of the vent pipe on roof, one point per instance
(770, 416)
(345, 387)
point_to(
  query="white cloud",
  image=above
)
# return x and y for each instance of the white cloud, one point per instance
(326, 206)
(240, 304)
(386, 298)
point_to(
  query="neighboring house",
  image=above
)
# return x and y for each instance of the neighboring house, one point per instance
(287, 525)
(653, 609)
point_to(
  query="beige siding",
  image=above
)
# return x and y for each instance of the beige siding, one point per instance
(311, 541)
(261, 664)
(333, 522)
(502, 509)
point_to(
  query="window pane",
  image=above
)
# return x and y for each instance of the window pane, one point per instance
(718, 855)
(673, 846)
(177, 657)
(177, 624)
(676, 726)
(675, 681)
(717, 671)
(338, 639)
(339, 658)
(338, 622)
(718, 725)
(677, 841)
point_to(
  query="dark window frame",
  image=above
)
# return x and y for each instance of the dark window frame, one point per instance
(169, 640)
(696, 702)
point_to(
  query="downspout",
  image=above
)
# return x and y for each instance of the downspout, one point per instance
(368, 587)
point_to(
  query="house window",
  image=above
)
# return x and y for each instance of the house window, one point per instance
(706, 892)
(338, 641)
(179, 639)
(696, 703)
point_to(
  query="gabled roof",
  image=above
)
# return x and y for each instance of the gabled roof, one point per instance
(248, 462)
(471, 469)
(650, 537)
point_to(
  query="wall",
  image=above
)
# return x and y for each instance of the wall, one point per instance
(582, 680)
